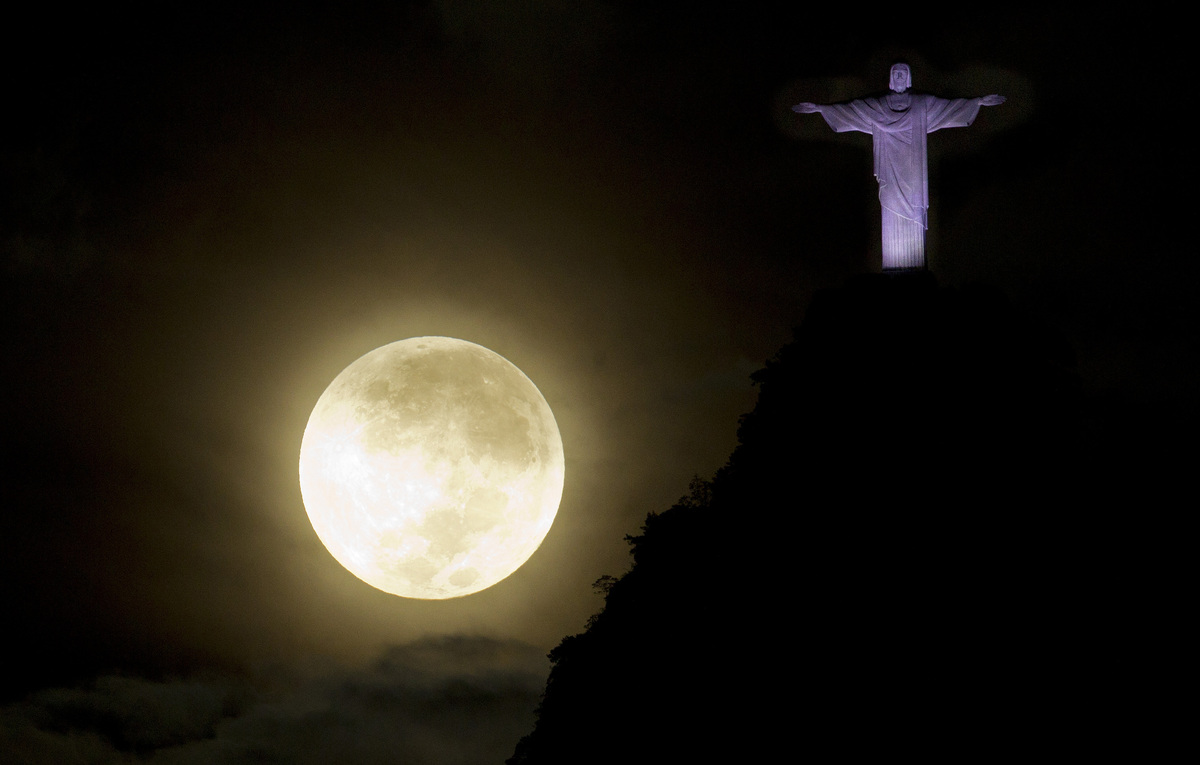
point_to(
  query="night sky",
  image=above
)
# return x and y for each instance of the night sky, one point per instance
(207, 215)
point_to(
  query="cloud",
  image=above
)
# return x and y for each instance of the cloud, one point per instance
(443, 700)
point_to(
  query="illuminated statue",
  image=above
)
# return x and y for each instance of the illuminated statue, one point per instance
(899, 123)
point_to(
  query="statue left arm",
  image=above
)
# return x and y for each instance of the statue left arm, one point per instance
(956, 112)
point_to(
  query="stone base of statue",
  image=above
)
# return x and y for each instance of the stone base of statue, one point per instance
(903, 243)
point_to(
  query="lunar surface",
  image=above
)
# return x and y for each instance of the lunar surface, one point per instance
(431, 468)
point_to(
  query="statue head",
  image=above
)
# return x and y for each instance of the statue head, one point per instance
(901, 78)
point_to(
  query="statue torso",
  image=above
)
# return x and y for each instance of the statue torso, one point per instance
(899, 102)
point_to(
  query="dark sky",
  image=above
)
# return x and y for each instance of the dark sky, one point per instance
(207, 215)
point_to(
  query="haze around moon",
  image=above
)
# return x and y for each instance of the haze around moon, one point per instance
(431, 468)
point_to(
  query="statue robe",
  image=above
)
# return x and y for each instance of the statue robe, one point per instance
(898, 124)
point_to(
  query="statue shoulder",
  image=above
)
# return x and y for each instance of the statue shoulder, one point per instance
(876, 104)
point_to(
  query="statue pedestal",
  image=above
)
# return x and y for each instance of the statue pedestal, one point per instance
(903, 242)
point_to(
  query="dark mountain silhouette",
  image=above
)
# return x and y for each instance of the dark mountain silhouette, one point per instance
(911, 550)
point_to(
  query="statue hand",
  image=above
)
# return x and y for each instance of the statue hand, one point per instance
(992, 100)
(806, 108)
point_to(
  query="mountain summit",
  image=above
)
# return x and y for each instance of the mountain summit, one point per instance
(902, 555)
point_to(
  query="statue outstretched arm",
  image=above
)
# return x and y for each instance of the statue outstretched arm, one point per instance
(992, 100)
(861, 114)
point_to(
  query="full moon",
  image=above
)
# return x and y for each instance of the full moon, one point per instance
(431, 468)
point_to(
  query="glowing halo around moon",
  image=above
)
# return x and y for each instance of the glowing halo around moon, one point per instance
(431, 468)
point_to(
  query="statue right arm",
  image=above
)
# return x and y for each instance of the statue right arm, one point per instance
(861, 114)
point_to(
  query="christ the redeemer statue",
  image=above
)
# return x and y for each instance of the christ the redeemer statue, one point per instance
(898, 123)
